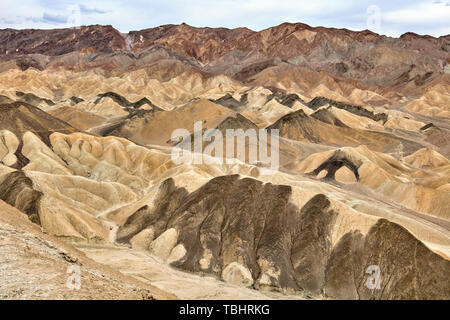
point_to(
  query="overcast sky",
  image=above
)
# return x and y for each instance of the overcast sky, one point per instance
(390, 17)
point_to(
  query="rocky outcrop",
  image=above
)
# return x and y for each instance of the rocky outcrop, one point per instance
(20, 117)
(284, 98)
(17, 118)
(17, 190)
(33, 99)
(129, 106)
(8, 148)
(249, 233)
(326, 116)
(187, 40)
(299, 126)
(407, 268)
(36, 265)
(237, 122)
(247, 72)
(229, 102)
(59, 41)
(357, 110)
(334, 163)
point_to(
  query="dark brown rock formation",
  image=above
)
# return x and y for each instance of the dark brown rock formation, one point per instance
(58, 41)
(408, 269)
(357, 110)
(248, 232)
(20, 117)
(17, 190)
(334, 163)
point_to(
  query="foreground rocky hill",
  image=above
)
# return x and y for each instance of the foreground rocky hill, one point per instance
(37, 266)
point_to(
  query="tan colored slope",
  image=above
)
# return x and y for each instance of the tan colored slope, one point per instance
(80, 179)
(8, 146)
(170, 83)
(157, 128)
(41, 157)
(265, 114)
(355, 121)
(395, 120)
(141, 264)
(298, 126)
(36, 266)
(158, 167)
(403, 123)
(300, 106)
(311, 83)
(108, 159)
(69, 207)
(106, 108)
(255, 96)
(387, 176)
(426, 107)
(19, 117)
(434, 99)
(78, 118)
(165, 92)
(400, 120)
(426, 158)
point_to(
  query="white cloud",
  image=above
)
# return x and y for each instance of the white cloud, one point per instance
(421, 13)
(397, 17)
(424, 18)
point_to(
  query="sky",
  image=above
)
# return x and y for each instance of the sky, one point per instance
(389, 17)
